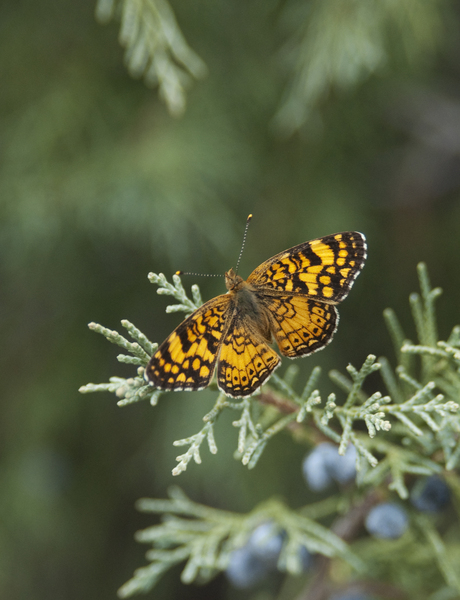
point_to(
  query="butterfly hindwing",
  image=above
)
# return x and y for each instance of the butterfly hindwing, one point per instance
(186, 359)
(301, 326)
(323, 269)
(245, 360)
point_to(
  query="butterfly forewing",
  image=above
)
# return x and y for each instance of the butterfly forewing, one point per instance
(187, 358)
(323, 269)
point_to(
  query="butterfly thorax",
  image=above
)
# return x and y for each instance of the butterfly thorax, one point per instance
(246, 303)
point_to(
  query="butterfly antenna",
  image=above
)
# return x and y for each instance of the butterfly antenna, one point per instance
(199, 274)
(248, 220)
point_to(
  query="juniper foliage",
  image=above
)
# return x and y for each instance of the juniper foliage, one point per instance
(410, 429)
(336, 45)
(155, 47)
(329, 45)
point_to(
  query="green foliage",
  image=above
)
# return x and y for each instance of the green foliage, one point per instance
(332, 44)
(99, 185)
(412, 431)
(155, 47)
(205, 538)
(338, 43)
(87, 153)
(421, 420)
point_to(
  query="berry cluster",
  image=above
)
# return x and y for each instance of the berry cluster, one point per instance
(254, 561)
(322, 468)
(390, 520)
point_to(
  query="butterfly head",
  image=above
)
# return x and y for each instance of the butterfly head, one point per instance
(233, 281)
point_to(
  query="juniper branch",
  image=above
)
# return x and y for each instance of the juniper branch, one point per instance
(204, 538)
(155, 47)
(176, 290)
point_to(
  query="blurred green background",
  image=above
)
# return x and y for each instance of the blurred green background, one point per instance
(317, 117)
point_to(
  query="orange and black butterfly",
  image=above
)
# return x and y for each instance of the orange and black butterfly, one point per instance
(291, 297)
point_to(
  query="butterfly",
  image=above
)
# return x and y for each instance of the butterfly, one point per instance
(290, 297)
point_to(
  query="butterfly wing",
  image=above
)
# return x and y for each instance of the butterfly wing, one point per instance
(246, 361)
(187, 358)
(323, 269)
(301, 326)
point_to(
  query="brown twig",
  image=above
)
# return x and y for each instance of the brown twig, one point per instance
(284, 405)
